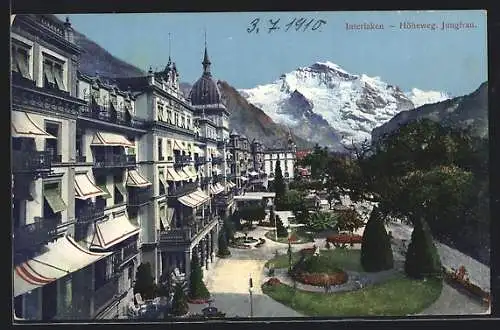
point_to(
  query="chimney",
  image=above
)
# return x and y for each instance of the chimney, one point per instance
(68, 31)
(151, 76)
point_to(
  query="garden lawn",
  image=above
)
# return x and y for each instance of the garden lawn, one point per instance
(302, 237)
(347, 259)
(397, 297)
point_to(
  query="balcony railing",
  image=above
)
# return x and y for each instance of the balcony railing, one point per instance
(113, 160)
(139, 196)
(107, 114)
(90, 213)
(129, 251)
(186, 234)
(217, 160)
(105, 294)
(182, 160)
(185, 189)
(31, 161)
(33, 235)
(199, 161)
(81, 158)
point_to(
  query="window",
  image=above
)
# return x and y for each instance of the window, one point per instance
(53, 73)
(188, 123)
(176, 119)
(160, 112)
(160, 148)
(79, 143)
(53, 203)
(52, 145)
(183, 122)
(169, 116)
(20, 59)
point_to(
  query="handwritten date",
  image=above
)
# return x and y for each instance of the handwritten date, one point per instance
(297, 24)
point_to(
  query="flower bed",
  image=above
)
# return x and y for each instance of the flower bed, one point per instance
(240, 246)
(307, 251)
(261, 242)
(320, 279)
(198, 301)
(342, 239)
(266, 224)
(273, 281)
(460, 278)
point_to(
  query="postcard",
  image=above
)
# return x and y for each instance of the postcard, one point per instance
(194, 166)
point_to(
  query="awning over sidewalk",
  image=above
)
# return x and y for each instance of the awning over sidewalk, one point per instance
(61, 258)
(23, 126)
(111, 139)
(135, 179)
(113, 231)
(172, 175)
(85, 188)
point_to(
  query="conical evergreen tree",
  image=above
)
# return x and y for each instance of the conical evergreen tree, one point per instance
(280, 228)
(279, 186)
(179, 305)
(144, 283)
(376, 251)
(223, 246)
(422, 258)
(197, 289)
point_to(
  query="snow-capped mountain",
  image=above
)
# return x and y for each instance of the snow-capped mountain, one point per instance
(419, 97)
(326, 104)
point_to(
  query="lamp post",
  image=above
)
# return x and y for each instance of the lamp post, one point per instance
(250, 288)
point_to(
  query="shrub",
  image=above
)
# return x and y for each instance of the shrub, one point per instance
(179, 305)
(321, 279)
(261, 242)
(376, 251)
(307, 251)
(197, 289)
(348, 220)
(281, 230)
(144, 283)
(422, 258)
(327, 245)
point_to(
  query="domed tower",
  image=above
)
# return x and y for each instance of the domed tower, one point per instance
(290, 142)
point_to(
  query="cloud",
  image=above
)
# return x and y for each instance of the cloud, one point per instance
(229, 38)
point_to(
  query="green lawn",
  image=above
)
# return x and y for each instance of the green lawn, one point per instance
(397, 297)
(301, 235)
(347, 259)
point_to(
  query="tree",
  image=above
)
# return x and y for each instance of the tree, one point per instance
(321, 221)
(144, 283)
(376, 251)
(223, 245)
(348, 220)
(281, 231)
(253, 213)
(228, 227)
(272, 217)
(197, 289)
(179, 305)
(422, 258)
(279, 185)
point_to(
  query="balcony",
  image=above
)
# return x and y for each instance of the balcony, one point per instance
(217, 160)
(106, 294)
(30, 237)
(81, 159)
(107, 114)
(223, 200)
(186, 234)
(182, 160)
(90, 213)
(31, 161)
(139, 196)
(130, 251)
(113, 160)
(185, 189)
(199, 161)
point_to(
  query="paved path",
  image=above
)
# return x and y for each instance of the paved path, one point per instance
(228, 280)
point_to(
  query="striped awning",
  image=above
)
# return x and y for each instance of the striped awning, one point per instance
(135, 179)
(177, 145)
(230, 185)
(113, 231)
(216, 189)
(199, 151)
(85, 188)
(172, 175)
(23, 126)
(62, 257)
(194, 199)
(111, 139)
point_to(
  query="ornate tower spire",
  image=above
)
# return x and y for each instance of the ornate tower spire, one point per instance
(169, 48)
(206, 61)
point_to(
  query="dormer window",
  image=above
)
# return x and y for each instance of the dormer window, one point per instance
(53, 73)
(20, 59)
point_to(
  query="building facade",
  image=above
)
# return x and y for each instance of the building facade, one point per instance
(286, 158)
(69, 260)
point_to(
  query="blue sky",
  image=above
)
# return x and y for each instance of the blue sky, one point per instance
(454, 61)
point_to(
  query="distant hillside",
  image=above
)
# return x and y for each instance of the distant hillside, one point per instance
(95, 58)
(468, 111)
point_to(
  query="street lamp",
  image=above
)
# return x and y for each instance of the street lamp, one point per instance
(250, 288)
